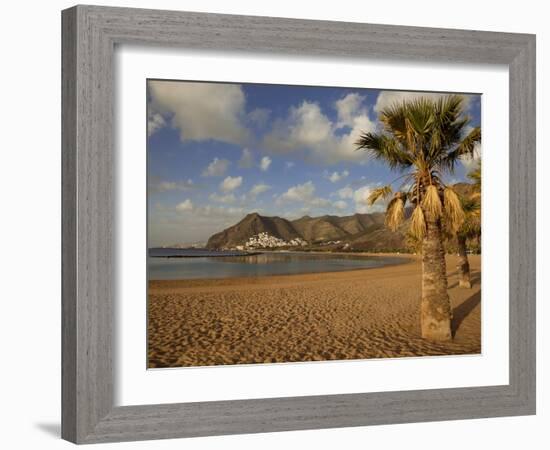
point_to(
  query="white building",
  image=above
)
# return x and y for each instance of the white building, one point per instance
(265, 240)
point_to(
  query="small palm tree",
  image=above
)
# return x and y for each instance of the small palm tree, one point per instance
(423, 139)
(471, 228)
(475, 176)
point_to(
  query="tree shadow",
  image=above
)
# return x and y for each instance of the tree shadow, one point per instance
(463, 310)
(475, 278)
(53, 429)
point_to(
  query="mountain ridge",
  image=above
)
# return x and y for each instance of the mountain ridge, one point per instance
(360, 231)
(313, 230)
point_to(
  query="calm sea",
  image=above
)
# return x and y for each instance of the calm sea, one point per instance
(205, 264)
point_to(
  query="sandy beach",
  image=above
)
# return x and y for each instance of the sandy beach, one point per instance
(368, 313)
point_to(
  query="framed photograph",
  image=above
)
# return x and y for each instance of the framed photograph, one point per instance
(276, 224)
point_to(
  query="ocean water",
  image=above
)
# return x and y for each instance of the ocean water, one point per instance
(269, 263)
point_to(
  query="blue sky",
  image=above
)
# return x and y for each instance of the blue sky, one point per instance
(217, 152)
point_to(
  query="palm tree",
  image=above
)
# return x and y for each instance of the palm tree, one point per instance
(423, 139)
(471, 228)
(475, 176)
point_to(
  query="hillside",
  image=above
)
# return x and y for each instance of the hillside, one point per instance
(253, 224)
(313, 230)
(358, 232)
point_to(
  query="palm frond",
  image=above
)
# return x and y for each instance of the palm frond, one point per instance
(420, 116)
(418, 223)
(466, 147)
(449, 108)
(393, 119)
(471, 206)
(395, 213)
(454, 214)
(384, 148)
(449, 122)
(378, 193)
(432, 202)
(471, 227)
(475, 176)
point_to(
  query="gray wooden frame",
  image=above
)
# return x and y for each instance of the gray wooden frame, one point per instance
(90, 34)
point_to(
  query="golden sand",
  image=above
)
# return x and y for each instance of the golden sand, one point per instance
(368, 313)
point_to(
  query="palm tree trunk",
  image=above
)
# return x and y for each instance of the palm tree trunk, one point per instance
(463, 264)
(435, 310)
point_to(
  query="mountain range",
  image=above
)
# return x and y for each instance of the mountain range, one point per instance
(361, 231)
(358, 229)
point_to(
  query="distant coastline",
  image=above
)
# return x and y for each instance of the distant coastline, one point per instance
(167, 252)
(229, 264)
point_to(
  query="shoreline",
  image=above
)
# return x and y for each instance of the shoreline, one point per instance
(405, 259)
(300, 277)
(355, 314)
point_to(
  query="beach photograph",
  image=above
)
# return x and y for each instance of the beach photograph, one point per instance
(291, 224)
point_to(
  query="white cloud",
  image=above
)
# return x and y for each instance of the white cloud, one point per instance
(290, 164)
(230, 183)
(470, 162)
(304, 194)
(309, 131)
(186, 205)
(259, 116)
(334, 177)
(217, 212)
(216, 168)
(299, 193)
(201, 111)
(157, 185)
(247, 159)
(164, 186)
(345, 192)
(348, 108)
(265, 163)
(360, 197)
(155, 122)
(306, 126)
(389, 98)
(319, 202)
(227, 198)
(340, 204)
(258, 189)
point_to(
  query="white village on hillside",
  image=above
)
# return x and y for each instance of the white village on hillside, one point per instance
(265, 240)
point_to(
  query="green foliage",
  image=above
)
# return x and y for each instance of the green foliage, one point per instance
(386, 149)
(471, 228)
(475, 176)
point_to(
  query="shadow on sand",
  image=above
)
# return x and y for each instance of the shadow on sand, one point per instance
(475, 278)
(462, 311)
